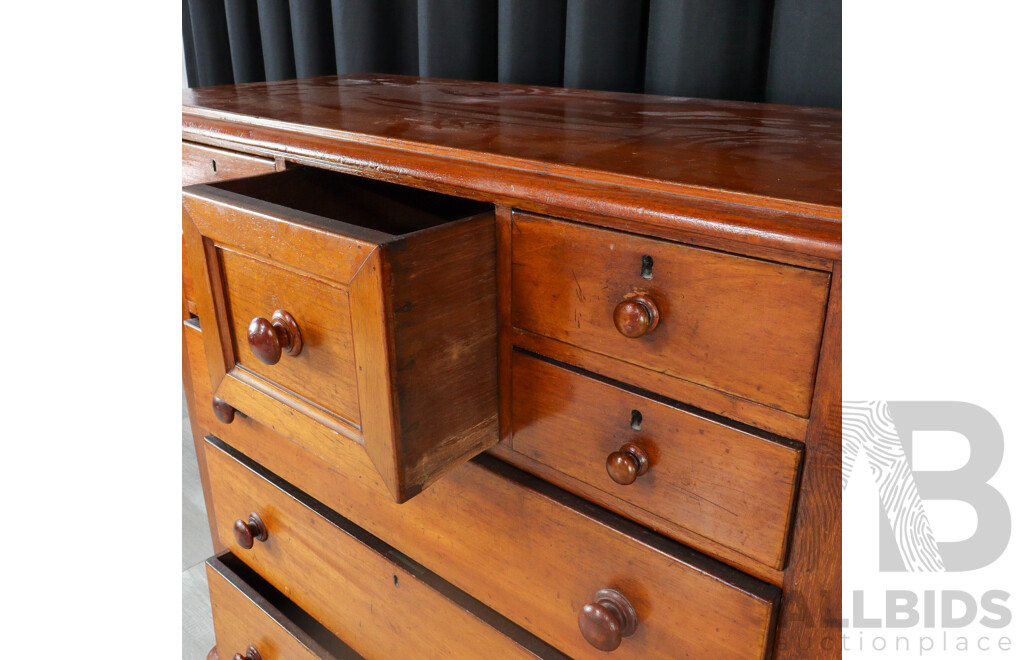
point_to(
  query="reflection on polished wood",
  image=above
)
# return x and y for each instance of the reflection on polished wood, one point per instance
(738, 150)
(654, 159)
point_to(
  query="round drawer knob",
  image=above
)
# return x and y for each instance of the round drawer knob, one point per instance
(625, 465)
(223, 410)
(247, 532)
(636, 316)
(250, 654)
(606, 619)
(268, 339)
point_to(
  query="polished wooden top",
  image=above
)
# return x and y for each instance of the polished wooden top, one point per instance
(770, 157)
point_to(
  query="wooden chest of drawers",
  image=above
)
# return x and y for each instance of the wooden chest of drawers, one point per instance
(481, 369)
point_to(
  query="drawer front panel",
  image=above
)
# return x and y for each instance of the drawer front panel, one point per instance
(202, 164)
(243, 617)
(537, 554)
(328, 331)
(725, 484)
(338, 454)
(742, 326)
(324, 371)
(355, 585)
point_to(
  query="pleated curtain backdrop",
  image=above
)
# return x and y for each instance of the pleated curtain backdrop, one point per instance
(779, 51)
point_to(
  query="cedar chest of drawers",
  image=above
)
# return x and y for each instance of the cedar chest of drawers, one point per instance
(489, 370)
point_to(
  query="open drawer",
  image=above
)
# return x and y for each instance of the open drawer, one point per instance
(337, 308)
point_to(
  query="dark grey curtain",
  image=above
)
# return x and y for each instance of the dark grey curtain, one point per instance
(779, 51)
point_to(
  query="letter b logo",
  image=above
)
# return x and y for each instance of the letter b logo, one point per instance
(883, 432)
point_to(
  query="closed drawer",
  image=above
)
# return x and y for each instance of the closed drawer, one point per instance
(202, 164)
(249, 613)
(532, 552)
(332, 306)
(731, 486)
(373, 598)
(746, 327)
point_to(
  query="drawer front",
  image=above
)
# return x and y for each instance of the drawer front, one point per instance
(211, 422)
(324, 371)
(725, 484)
(329, 331)
(355, 585)
(244, 617)
(742, 326)
(202, 164)
(536, 554)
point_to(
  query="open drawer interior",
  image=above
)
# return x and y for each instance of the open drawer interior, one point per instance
(378, 205)
(333, 306)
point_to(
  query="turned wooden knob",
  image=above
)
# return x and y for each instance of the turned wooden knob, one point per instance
(248, 531)
(636, 316)
(268, 338)
(250, 654)
(223, 410)
(625, 465)
(606, 619)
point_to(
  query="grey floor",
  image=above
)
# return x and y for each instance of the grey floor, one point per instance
(196, 618)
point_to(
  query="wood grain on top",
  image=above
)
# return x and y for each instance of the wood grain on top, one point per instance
(780, 158)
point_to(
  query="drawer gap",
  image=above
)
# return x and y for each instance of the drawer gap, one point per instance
(723, 572)
(378, 205)
(285, 613)
(636, 419)
(401, 561)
